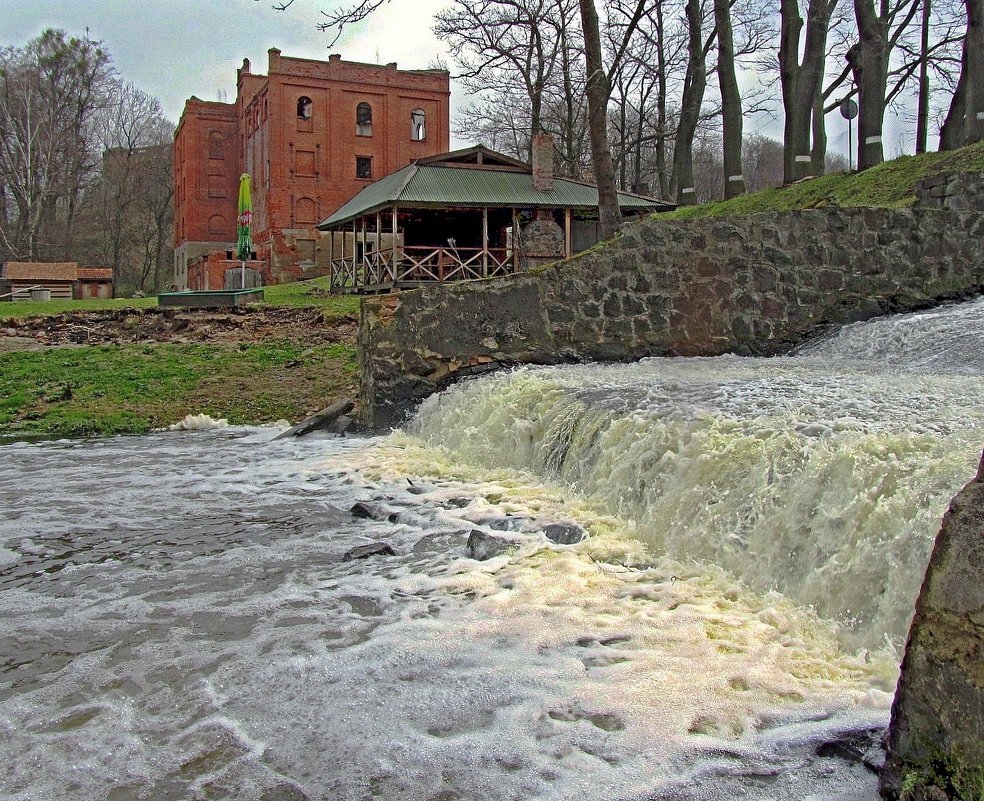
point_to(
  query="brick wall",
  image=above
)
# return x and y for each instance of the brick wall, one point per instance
(303, 167)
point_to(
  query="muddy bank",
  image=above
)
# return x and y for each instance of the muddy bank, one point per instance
(229, 326)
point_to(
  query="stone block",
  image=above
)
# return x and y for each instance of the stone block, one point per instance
(939, 705)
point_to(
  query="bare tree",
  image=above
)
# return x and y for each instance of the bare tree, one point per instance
(974, 69)
(502, 44)
(801, 79)
(694, 86)
(50, 91)
(731, 111)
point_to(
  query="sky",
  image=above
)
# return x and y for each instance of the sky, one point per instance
(174, 49)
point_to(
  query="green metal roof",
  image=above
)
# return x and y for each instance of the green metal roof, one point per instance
(432, 186)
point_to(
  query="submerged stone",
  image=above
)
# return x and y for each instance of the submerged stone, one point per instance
(371, 549)
(565, 533)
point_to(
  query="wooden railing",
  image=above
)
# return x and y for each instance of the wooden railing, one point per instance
(419, 264)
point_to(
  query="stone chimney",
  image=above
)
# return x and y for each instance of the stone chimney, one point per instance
(543, 151)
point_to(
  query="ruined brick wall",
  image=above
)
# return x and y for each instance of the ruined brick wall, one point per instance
(753, 285)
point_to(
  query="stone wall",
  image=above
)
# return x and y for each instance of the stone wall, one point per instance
(753, 285)
(959, 191)
(936, 737)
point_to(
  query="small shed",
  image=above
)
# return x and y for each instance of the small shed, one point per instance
(58, 278)
(471, 213)
(94, 282)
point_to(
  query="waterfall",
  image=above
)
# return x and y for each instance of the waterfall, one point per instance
(821, 475)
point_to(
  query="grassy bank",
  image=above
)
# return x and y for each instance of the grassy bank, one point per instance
(312, 293)
(130, 389)
(892, 184)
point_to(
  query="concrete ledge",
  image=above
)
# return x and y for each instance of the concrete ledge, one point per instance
(214, 299)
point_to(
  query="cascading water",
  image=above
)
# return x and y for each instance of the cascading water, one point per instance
(822, 476)
(179, 620)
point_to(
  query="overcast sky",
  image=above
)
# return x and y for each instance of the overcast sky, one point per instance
(177, 48)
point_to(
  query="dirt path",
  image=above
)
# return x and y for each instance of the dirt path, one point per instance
(180, 326)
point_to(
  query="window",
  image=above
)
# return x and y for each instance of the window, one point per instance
(305, 108)
(418, 130)
(304, 213)
(363, 167)
(363, 120)
(215, 145)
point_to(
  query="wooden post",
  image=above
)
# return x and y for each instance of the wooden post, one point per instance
(376, 257)
(485, 241)
(331, 259)
(363, 265)
(355, 235)
(515, 240)
(568, 242)
(393, 260)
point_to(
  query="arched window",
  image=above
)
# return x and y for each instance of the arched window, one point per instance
(363, 120)
(215, 145)
(418, 129)
(304, 211)
(217, 225)
(305, 108)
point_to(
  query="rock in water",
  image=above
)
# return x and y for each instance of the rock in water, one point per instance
(483, 545)
(365, 551)
(565, 533)
(323, 419)
(937, 723)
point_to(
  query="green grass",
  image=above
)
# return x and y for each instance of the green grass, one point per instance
(313, 293)
(891, 184)
(130, 389)
(35, 308)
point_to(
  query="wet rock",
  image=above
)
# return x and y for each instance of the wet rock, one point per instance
(372, 511)
(371, 549)
(938, 713)
(283, 792)
(343, 425)
(565, 533)
(319, 421)
(457, 503)
(484, 545)
(858, 747)
(508, 523)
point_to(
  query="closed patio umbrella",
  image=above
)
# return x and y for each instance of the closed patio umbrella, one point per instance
(244, 244)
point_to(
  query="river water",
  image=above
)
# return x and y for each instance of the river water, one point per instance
(179, 621)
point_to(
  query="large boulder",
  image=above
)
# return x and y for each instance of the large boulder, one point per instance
(936, 737)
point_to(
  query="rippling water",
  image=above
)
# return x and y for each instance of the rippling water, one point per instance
(178, 620)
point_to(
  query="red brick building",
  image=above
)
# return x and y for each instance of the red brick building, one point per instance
(311, 134)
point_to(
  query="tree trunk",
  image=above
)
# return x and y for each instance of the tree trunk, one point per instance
(974, 63)
(661, 90)
(597, 91)
(818, 153)
(922, 106)
(693, 95)
(869, 64)
(801, 82)
(952, 130)
(734, 181)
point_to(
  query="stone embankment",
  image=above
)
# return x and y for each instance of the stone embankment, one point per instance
(753, 285)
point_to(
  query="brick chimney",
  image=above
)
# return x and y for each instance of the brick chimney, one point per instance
(543, 151)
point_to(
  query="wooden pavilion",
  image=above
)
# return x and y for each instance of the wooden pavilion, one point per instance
(467, 214)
